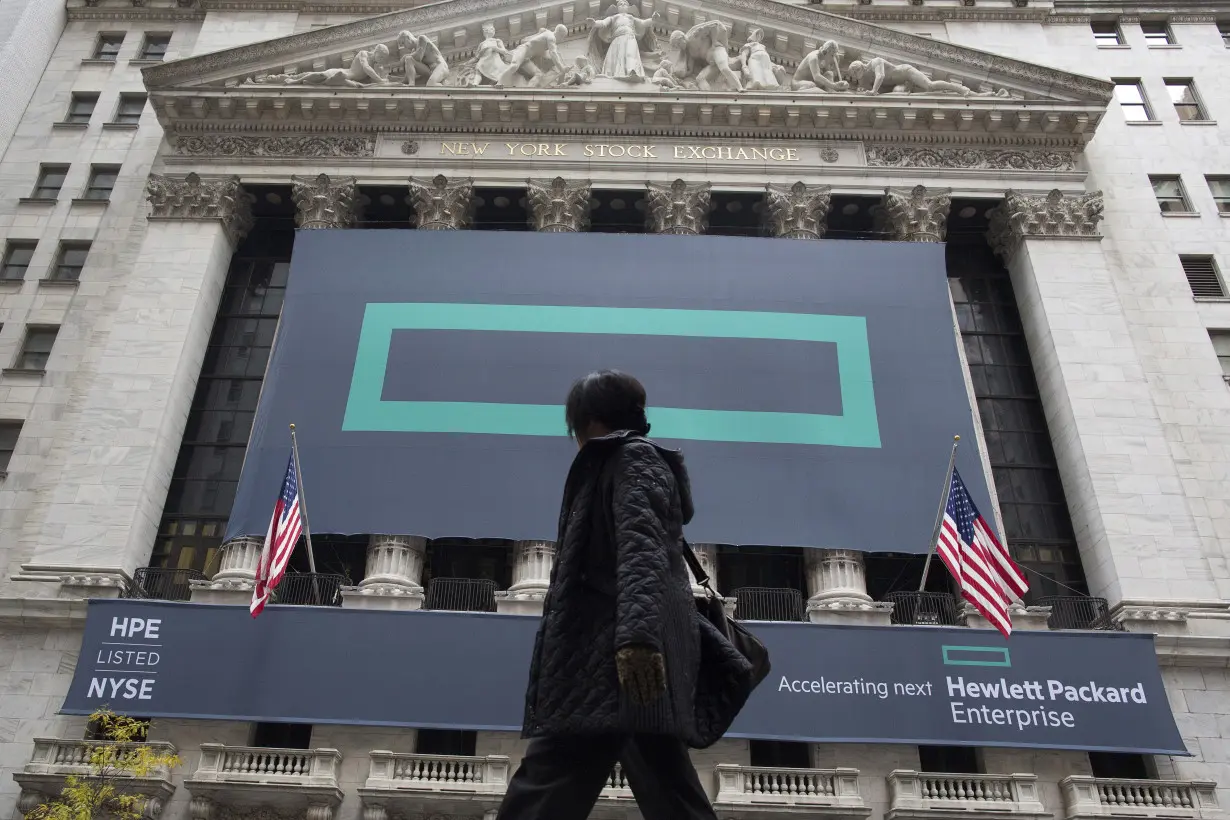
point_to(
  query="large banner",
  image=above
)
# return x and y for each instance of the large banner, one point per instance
(456, 670)
(814, 387)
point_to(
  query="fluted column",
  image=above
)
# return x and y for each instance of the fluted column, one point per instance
(916, 215)
(797, 211)
(559, 206)
(441, 204)
(325, 203)
(236, 575)
(532, 564)
(837, 586)
(393, 576)
(679, 207)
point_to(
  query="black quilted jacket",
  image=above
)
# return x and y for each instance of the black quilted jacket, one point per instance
(619, 579)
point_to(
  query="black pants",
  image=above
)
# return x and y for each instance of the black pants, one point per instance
(560, 778)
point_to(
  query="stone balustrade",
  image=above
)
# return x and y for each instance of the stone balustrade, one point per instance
(54, 760)
(1089, 797)
(931, 794)
(413, 784)
(830, 792)
(283, 779)
(617, 787)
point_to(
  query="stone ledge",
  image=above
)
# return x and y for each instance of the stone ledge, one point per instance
(42, 612)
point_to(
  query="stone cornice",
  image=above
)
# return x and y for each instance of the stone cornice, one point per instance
(808, 22)
(134, 13)
(37, 613)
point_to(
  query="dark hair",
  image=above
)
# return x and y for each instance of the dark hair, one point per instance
(613, 399)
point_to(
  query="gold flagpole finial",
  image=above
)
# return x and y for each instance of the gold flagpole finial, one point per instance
(292, 426)
(955, 439)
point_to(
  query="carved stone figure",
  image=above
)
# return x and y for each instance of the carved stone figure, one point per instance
(489, 62)
(581, 73)
(759, 73)
(877, 75)
(820, 69)
(420, 57)
(366, 69)
(441, 205)
(527, 60)
(558, 206)
(618, 40)
(663, 76)
(679, 208)
(708, 56)
(797, 212)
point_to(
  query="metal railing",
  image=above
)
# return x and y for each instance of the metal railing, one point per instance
(768, 604)
(163, 583)
(308, 589)
(461, 594)
(1077, 612)
(923, 608)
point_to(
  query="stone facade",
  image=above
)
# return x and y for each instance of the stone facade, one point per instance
(1133, 391)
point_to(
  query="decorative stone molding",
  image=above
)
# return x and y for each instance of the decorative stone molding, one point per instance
(532, 564)
(996, 159)
(193, 198)
(55, 760)
(323, 203)
(797, 211)
(393, 577)
(679, 207)
(283, 780)
(559, 206)
(1024, 618)
(236, 576)
(916, 215)
(837, 584)
(1087, 798)
(1056, 215)
(930, 794)
(819, 792)
(441, 205)
(306, 146)
(433, 787)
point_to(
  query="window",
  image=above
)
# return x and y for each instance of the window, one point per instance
(1186, 103)
(155, 46)
(1201, 273)
(1120, 765)
(81, 108)
(949, 759)
(1170, 196)
(36, 349)
(446, 742)
(780, 754)
(50, 181)
(282, 735)
(130, 108)
(1220, 186)
(1106, 33)
(1157, 32)
(1132, 101)
(108, 46)
(69, 261)
(102, 182)
(1221, 346)
(1223, 28)
(10, 431)
(17, 256)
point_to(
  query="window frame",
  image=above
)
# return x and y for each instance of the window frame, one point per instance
(24, 351)
(6, 453)
(1183, 200)
(71, 116)
(6, 261)
(1221, 201)
(1100, 37)
(92, 189)
(155, 37)
(1190, 85)
(1217, 274)
(1161, 28)
(1223, 358)
(1223, 28)
(103, 39)
(122, 117)
(1143, 105)
(66, 246)
(40, 182)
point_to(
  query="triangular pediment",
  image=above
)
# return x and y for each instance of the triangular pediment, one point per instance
(789, 64)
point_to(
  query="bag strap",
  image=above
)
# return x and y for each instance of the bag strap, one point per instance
(698, 572)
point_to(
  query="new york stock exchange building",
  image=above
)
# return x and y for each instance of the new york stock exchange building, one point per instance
(828, 237)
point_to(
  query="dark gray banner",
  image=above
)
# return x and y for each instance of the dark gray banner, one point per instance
(814, 387)
(917, 685)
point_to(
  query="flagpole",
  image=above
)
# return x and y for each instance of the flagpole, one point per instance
(307, 530)
(939, 515)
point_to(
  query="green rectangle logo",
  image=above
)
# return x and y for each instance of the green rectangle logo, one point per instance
(977, 656)
(857, 426)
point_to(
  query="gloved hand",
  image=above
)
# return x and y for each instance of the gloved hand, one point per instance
(642, 673)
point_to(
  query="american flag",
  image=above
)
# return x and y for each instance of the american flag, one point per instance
(987, 575)
(284, 530)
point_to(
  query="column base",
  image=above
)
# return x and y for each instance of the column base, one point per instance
(849, 611)
(385, 597)
(76, 582)
(522, 602)
(224, 591)
(1024, 619)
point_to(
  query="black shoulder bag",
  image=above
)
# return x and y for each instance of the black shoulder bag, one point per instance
(713, 608)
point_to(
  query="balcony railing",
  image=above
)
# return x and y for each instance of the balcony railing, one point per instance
(309, 589)
(461, 594)
(1092, 797)
(163, 584)
(768, 604)
(617, 784)
(1077, 612)
(433, 773)
(920, 794)
(287, 779)
(923, 608)
(55, 760)
(812, 788)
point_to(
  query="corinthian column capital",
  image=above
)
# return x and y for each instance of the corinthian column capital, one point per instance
(797, 211)
(678, 208)
(194, 198)
(915, 215)
(558, 206)
(325, 203)
(1056, 215)
(442, 204)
